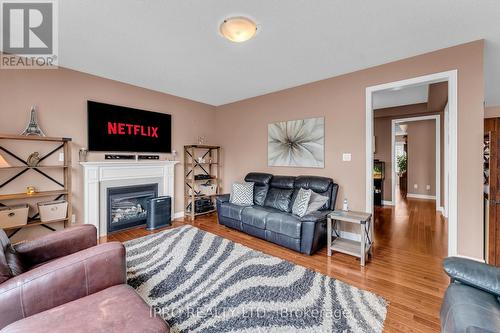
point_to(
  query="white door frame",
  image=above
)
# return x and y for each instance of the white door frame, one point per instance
(446, 157)
(452, 78)
(437, 120)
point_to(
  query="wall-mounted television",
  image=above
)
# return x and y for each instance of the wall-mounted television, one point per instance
(114, 128)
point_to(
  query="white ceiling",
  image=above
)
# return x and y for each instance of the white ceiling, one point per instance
(405, 96)
(174, 46)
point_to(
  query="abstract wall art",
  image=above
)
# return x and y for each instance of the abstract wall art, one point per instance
(297, 143)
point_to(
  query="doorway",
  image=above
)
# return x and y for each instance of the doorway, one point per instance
(400, 152)
(450, 148)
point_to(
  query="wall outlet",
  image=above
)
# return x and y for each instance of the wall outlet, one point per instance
(61, 157)
(428, 187)
(73, 218)
(415, 186)
(346, 157)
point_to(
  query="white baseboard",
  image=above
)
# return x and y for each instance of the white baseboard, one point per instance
(471, 258)
(421, 196)
(387, 203)
(178, 215)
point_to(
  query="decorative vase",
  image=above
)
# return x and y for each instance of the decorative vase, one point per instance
(82, 154)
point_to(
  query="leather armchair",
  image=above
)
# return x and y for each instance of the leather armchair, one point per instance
(58, 268)
(57, 244)
(471, 302)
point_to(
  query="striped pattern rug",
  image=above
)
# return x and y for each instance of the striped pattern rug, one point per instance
(200, 282)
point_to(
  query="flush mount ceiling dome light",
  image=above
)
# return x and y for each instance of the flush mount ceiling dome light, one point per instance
(238, 29)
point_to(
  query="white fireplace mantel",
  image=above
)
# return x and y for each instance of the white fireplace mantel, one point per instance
(97, 175)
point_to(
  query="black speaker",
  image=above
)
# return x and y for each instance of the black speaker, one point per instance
(159, 213)
(119, 157)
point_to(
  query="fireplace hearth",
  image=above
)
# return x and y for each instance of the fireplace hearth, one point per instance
(127, 205)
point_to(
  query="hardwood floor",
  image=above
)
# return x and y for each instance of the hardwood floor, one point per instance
(410, 243)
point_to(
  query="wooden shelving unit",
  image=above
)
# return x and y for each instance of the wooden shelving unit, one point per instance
(37, 167)
(208, 166)
(65, 185)
(15, 196)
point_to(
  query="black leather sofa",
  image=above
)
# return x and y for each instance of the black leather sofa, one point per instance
(471, 302)
(270, 217)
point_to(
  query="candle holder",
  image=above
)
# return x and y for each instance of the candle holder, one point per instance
(30, 190)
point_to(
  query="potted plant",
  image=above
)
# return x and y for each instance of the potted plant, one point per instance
(402, 162)
(377, 172)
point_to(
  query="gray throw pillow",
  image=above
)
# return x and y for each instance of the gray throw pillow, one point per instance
(5, 273)
(301, 202)
(242, 194)
(316, 202)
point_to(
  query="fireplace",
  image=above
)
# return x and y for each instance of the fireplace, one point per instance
(127, 205)
(99, 176)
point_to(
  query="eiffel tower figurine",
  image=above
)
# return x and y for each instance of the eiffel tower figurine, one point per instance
(33, 128)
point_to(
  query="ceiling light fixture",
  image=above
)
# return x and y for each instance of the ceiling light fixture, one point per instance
(238, 29)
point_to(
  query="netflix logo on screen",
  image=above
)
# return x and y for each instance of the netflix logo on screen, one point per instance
(113, 128)
(131, 129)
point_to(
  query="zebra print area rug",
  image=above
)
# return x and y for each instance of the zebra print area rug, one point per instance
(200, 282)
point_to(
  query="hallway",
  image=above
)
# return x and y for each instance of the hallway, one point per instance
(412, 225)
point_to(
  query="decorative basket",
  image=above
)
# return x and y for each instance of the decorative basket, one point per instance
(208, 189)
(14, 216)
(53, 210)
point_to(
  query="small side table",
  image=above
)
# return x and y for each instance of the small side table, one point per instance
(347, 246)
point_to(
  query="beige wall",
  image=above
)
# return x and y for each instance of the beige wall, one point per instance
(438, 97)
(242, 129)
(402, 111)
(422, 157)
(61, 97)
(383, 151)
(492, 112)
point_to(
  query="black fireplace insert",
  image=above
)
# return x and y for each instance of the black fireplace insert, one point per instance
(127, 205)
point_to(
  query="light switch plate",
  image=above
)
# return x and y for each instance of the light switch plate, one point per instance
(415, 186)
(346, 157)
(428, 187)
